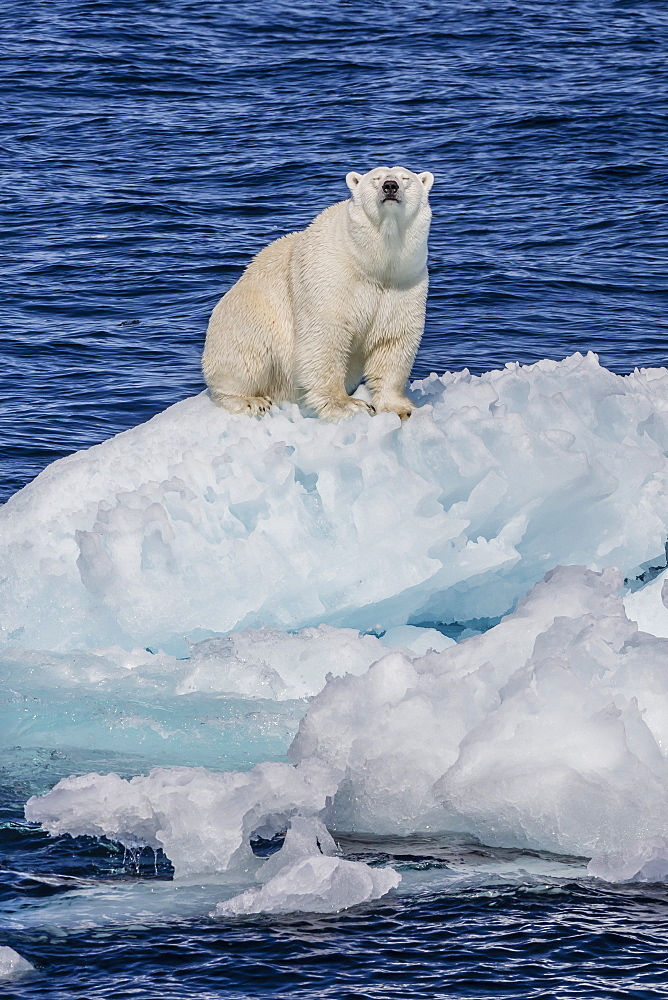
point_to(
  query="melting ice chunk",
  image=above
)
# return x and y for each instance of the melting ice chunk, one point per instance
(203, 821)
(316, 884)
(304, 877)
(13, 965)
(549, 731)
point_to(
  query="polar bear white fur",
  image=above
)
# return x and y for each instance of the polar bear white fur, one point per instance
(319, 310)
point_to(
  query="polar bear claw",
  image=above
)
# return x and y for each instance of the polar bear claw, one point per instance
(254, 406)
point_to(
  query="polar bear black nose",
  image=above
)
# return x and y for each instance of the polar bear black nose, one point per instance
(390, 188)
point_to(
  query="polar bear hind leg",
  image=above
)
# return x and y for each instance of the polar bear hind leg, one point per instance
(242, 368)
(241, 382)
(247, 360)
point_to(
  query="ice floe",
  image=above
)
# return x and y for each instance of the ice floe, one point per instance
(203, 563)
(198, 522)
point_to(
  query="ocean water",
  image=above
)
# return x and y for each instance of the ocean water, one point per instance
(150, 150)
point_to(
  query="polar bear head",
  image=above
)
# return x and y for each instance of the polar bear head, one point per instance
(390, 192)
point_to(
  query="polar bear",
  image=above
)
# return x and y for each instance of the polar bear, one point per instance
(321, 309)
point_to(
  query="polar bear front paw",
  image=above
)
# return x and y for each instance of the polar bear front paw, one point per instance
(336, 409)
(251, 406)
(257, 405)
(402, 406)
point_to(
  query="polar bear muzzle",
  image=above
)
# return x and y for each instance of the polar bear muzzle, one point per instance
(391, 191)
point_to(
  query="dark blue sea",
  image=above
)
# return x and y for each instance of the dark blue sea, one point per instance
(149, 150)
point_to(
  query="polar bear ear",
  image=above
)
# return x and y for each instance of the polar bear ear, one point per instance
(427, 179)
(353, 179)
